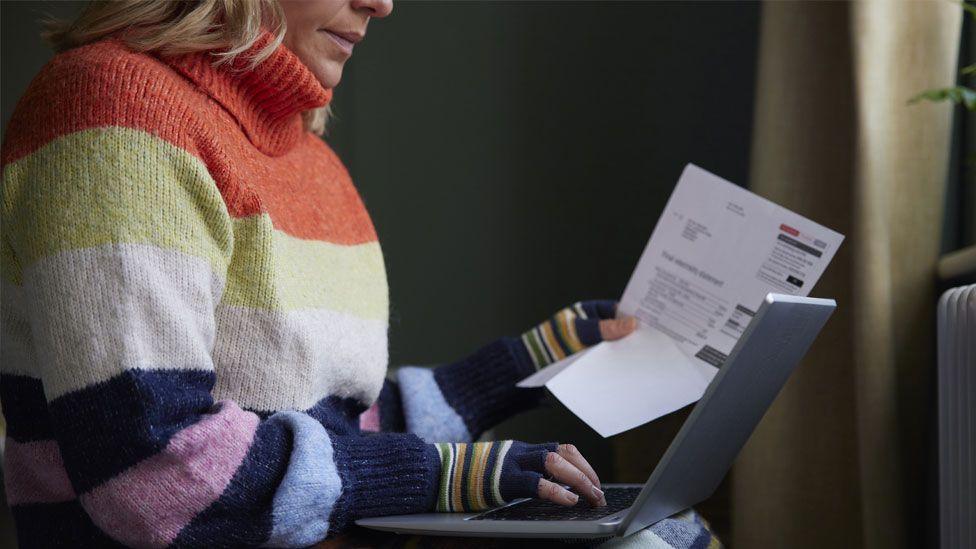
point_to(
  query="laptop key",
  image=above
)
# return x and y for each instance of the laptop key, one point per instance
(618, 499)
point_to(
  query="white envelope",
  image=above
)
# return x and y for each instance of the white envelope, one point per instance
(619, 385)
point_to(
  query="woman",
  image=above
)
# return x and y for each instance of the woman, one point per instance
(195, 303)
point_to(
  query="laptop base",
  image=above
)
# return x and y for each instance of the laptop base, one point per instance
(461, 524)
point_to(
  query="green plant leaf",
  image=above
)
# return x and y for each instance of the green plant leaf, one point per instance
(957, 94)
(971, 69)
(971, 8)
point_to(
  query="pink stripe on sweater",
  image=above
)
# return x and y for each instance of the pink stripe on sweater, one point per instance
(149, 503)
(370, 419)
(34, 473)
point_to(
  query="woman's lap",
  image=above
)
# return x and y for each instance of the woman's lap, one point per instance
(684, 530)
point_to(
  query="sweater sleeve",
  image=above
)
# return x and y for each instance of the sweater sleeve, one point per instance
(457, 402)
(117, 246)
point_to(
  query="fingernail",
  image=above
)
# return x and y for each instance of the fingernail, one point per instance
(572, 498)
(597, 493)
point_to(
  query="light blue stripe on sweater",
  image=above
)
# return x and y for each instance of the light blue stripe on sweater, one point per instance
(311, 485)
(428, 415)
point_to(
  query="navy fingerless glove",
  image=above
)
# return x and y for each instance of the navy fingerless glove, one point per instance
(481, 475)
(567, 332)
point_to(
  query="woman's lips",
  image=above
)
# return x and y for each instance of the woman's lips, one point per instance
(344, 40)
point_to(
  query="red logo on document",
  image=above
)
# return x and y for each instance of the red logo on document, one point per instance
(788, 229)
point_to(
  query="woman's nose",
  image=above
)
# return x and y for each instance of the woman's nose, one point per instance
(375, 8)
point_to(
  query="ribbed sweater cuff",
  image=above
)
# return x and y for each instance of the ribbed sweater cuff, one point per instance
(481, 388)
(384, 474)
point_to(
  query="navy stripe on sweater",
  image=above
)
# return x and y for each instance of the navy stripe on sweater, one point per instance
(337, 414)
(105, 428)
(39, 524)
(368, 462)
(392, 419)
(25, 408)
(481, 388)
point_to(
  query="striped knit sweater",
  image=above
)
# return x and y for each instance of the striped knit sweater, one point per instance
(195, 316)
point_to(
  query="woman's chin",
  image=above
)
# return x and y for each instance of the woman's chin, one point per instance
(328, 74)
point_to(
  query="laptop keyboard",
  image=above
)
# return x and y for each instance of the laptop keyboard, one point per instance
(618, 499)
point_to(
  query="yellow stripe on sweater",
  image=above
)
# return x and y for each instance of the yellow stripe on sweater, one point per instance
(276, 271)
(456, 502)
(124, 186)
(111, 185)
(477, 485)
(551, 343)
(567, 328)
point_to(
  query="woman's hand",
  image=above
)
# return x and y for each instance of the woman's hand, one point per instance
(481, 475)
(575, 328)
(568, 466)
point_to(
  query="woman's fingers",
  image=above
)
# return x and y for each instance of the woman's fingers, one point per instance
(572, 455)
(617, 328)
(562, 470)
(555, 493)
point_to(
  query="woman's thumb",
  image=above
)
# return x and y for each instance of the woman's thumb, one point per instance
(616, 328)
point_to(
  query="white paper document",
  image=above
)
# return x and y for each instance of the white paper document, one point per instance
(622, 383)
(716, 251)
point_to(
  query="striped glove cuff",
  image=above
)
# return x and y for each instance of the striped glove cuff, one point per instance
(567, 332)
(481, 475)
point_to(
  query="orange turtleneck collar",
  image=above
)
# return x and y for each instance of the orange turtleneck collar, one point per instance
(267, 100)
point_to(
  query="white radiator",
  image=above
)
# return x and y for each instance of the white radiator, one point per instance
(957, 417)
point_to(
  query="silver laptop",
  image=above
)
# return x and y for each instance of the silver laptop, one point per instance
(697, 459)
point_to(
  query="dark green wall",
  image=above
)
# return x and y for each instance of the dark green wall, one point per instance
(516, 155)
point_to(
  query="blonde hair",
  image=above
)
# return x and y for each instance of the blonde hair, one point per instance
(225, 28)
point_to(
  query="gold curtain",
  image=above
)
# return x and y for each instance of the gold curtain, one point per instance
(839, 461)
